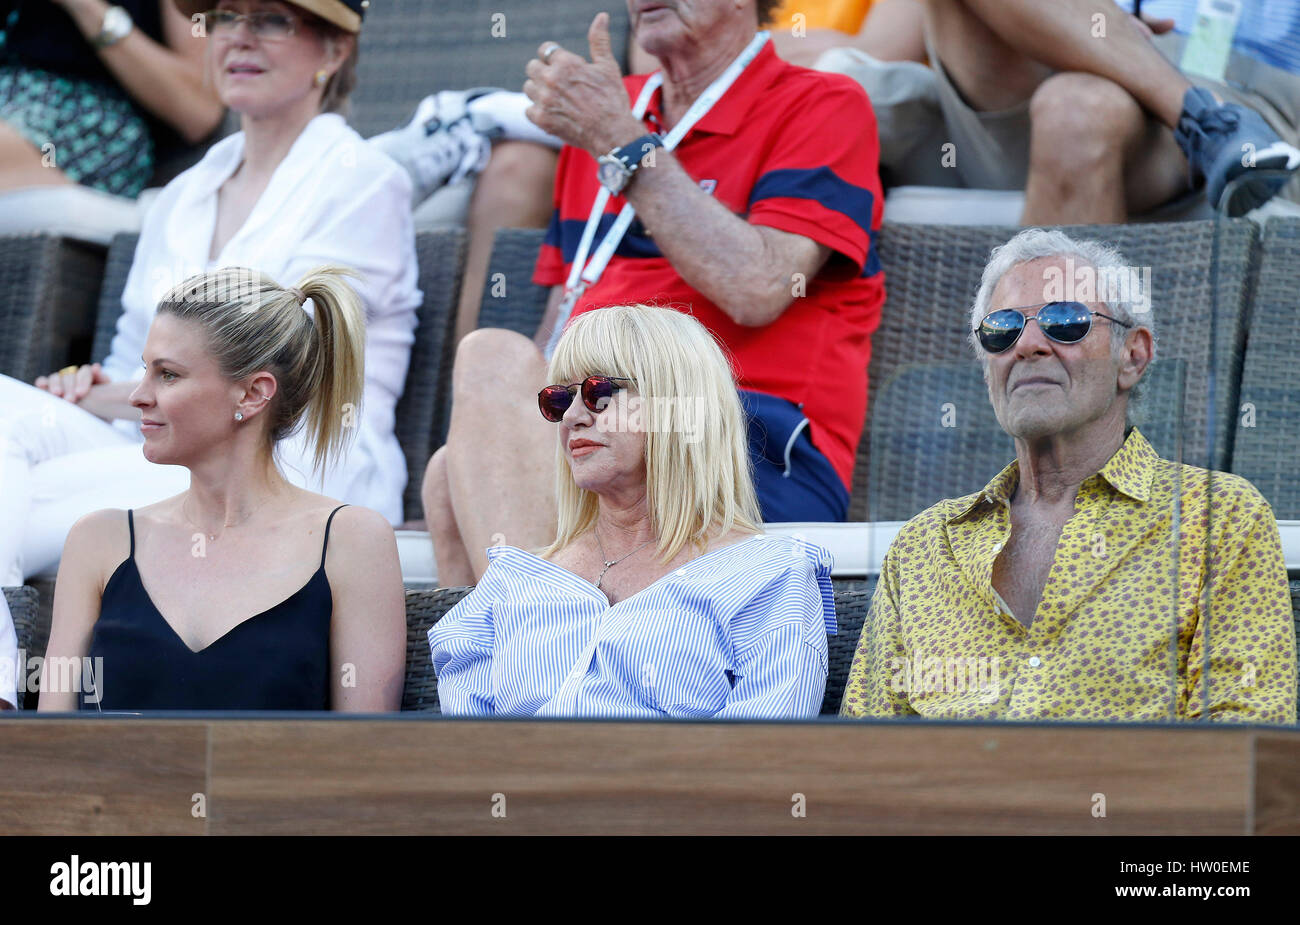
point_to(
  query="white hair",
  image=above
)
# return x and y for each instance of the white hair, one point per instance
(1108, 264)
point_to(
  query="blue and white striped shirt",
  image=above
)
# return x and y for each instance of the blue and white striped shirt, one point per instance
(737, 632)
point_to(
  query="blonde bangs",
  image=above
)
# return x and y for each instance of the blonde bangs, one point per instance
(699, 480)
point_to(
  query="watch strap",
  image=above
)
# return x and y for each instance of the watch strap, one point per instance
(630, 154)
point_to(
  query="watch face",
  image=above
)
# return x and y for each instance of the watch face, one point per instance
(611, 174)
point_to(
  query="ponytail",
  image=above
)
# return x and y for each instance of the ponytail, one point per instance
(335, 406)
(318, 360)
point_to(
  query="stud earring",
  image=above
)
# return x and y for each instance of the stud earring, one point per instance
(321, 77)
(239, 415)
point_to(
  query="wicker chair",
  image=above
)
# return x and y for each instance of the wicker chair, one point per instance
(23, 607)
(411, 48)
(510, 298)
(852, 604)
(932, 273)
(1269, 413)
(425, 608)
(420, 420)
(47, 302)
(121, 254)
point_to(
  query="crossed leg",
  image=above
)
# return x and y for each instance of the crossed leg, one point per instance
(494, 481)
(1102, 106)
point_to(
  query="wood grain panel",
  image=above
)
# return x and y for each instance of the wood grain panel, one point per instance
(101, 777)
(1277, 783)
(439, 776)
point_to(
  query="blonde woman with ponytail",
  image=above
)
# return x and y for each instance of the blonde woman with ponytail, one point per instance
(296, 188)
(244, 591)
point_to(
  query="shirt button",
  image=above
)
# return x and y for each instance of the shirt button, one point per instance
(1035, 661)
(997, 547)
(681, 571)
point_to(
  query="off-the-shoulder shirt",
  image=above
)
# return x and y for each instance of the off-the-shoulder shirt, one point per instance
(737, 632)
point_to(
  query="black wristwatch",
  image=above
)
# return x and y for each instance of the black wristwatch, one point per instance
(615, 169)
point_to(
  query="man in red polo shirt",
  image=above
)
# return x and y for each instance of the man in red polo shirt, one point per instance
(759, 222)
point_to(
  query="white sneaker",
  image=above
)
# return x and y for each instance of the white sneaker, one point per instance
(443, 142)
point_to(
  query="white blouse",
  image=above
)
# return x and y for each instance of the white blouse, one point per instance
(333, 200)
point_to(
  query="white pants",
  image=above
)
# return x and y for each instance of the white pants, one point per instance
(57, 464)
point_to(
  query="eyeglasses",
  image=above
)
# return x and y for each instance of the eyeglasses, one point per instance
(597, 391)
(272, 27)
(1063, 322)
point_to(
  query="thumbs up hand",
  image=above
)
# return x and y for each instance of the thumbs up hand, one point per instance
(583, 103)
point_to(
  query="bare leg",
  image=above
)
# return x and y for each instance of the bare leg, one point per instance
(991, 73)
(449, 552)
(894, 31)
(515, 190)
(500, 453)
(22, 164)
(1067, 35)
(1094, 155)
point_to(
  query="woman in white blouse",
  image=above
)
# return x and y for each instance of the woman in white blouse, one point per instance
(294, 190)
(660, 596)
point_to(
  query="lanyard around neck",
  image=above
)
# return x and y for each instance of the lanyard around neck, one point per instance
(589, 272)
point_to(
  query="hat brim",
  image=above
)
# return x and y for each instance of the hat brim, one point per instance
(332, 11)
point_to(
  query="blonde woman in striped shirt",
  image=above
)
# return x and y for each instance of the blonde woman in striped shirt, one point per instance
(660, 596)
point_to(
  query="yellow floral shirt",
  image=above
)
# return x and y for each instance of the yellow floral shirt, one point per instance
(939, 641)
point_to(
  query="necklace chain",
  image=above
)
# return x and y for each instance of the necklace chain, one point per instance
(212, 537)
(608, 564)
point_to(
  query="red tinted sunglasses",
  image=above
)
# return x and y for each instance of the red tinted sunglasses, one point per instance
(597, 391)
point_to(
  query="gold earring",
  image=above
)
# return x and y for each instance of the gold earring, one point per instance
(321, 77)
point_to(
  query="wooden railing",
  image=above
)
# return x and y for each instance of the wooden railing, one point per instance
(411, 774)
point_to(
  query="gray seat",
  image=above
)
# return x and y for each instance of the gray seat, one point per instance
(1268, 418)
(24, 609)
(510, 298)
(411, 48)
(47, 302)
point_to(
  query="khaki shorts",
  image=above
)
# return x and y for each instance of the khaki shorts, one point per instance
(919, 111)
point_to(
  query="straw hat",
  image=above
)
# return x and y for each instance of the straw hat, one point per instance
(346, 14)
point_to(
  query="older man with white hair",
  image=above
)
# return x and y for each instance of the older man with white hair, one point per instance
(1090, 579)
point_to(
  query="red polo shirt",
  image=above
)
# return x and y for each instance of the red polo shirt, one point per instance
(793, 149)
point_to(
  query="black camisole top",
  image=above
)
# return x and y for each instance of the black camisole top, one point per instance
(278, 659)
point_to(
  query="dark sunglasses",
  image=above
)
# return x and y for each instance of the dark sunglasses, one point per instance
(597, 391)
(1063, 322)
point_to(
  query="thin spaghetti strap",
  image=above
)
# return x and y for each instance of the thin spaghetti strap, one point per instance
(130, 525)
(325, 545)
